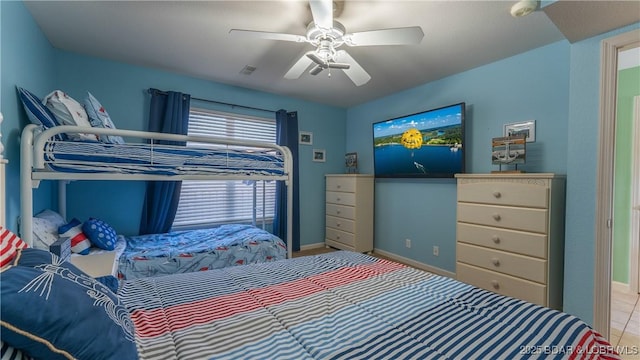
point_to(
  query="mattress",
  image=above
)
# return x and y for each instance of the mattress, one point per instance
(343, 305)
(96, 157)
(198, 250)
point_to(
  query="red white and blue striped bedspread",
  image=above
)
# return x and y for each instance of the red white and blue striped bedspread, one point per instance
(343, 305)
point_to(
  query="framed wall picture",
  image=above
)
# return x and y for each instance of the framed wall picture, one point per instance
(528, 128)
(305, 138)
(319, 155)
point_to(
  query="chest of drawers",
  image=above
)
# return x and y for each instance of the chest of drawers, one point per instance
(349, 212)
(510, 235)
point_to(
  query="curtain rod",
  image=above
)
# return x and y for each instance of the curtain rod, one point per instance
(218, 102)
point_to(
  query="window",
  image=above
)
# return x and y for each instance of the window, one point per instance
(211, 202)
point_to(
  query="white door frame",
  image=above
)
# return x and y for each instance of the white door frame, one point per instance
(604, 187)
(634, 268)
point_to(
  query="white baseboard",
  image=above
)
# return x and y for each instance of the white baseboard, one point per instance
(620, 287)
(312, 246)
(416, 264)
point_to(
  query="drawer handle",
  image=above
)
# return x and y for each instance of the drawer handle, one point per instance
(495, 261)
(338, 224)
(495, 239)
(338, 199)
(338, 212)
(497, 194)
(495, 284)
(497, 217)
(338, 186)
(338, 237)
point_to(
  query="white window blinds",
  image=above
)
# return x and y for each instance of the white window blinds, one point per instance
(211, 202)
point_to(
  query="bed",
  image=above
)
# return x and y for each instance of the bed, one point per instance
(197, 250)
(340, 305)
(50, 155)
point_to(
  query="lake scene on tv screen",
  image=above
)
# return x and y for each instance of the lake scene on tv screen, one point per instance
(427, 144)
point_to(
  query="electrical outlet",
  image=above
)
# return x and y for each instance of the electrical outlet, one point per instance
(407, 243)
(436, 250)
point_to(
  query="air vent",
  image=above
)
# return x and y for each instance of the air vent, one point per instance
(248, 70)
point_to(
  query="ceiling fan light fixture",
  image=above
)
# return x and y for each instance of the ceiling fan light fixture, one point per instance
(524, 8)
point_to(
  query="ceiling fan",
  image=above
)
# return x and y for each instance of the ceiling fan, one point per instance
(327, 35)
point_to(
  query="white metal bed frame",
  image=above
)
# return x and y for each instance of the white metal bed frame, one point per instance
(33, 168)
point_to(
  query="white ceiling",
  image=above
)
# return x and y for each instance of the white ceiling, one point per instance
(192, 38)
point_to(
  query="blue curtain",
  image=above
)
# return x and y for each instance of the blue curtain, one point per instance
(287, 135)
(169, 113)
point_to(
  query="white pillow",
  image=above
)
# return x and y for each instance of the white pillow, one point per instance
(51, 216)
(45, 229)
(69, 112)
(98, 117)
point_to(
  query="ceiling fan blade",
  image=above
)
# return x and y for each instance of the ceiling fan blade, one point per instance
(299, 67)
(399, 36)
(267, 35)
(316, 59)
(355, 72)
(322, 12)
(342, 66)
(316, 69)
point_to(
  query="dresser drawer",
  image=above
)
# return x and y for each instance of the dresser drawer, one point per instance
(504, 193)
(526, 267)
(502, 284)
(339, 236)
(526, 219)
(346, 212)
(341, 198)
(344, 184)
(525, 243)
(340, 224)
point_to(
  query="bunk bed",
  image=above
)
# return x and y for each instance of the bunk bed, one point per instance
(50, 155)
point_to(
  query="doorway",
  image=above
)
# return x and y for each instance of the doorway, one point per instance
(605, 177)
(624, 327)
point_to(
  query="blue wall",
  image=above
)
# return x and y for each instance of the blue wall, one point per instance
(30, 66)
(495, 94)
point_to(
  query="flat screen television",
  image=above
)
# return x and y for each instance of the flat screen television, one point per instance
(428, 144)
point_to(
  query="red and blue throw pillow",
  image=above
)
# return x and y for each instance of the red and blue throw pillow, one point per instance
(9, 245)
(80, 244)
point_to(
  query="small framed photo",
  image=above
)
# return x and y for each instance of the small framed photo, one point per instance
(526, 128)
(319, 155)
(305, 138)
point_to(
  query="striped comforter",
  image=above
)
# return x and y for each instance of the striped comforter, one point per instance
(343, 305)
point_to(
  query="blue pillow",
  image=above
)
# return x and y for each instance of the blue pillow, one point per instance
(37, 112)
(99, 118)
(54, 311)
(100, 234)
